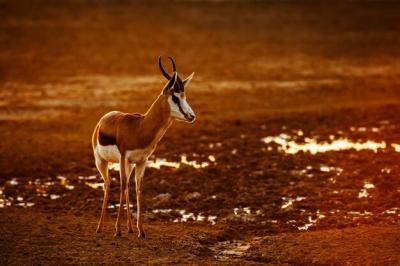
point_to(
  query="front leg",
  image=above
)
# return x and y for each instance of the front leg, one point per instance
(139, 172)
(123, 180)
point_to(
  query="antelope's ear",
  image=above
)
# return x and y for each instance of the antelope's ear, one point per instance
(171, 83)
(187, 80)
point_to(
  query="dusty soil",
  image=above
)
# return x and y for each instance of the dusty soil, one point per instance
(297, 73)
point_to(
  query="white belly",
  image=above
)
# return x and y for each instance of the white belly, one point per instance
(111, 153)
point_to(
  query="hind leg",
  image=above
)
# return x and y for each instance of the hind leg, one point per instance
(139, 172)
(102, 166)
(122, 174)
(127, 189)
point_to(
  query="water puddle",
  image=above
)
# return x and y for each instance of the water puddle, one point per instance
(386, 170)
(183, 216)
(13, 182)
(15, 190)
(311, 222)
(245, 214)
(290, 146)
(159, 162)
(393, 210)
(4, 202)
(65, 183)
(91, 177)
(242, 211)
(365, 129)
(309, 171)
(358, 214)
(364, 192)
(95, 185)
(213, 145)
(288, 202)
(194, 163)
(116, 205)
(49, 188)
(396, 147)
(331, 169)
(25, 204)
(90, 181)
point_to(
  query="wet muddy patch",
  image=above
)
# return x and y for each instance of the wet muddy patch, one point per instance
(26, 193)
(293, 180)
(231, 249)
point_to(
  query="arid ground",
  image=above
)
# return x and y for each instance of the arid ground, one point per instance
(294, 158)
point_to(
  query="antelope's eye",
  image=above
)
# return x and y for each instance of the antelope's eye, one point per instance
(175, 99)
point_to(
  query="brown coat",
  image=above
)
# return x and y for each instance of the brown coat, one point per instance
(134, 131)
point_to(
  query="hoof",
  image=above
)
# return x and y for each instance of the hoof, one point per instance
(98, 230)
(130, 230)
(142, 235)
(117, 234)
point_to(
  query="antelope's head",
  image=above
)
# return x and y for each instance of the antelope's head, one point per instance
(174, 92)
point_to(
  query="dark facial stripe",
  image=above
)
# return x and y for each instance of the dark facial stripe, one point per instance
(106, 140)
(177, 102)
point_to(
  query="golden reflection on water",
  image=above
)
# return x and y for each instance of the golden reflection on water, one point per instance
(186, 216)
(95, 185)
(396, 147)
(364, 192)
(288, 202)
(312, 146)
(158, 162)
(311, 222)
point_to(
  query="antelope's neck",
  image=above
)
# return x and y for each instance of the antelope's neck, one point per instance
(157, 119)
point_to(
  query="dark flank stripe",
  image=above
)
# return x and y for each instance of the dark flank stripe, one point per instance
(106, 140)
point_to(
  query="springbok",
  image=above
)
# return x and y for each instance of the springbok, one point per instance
(130, 138)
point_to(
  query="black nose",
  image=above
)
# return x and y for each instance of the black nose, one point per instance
(192, 118)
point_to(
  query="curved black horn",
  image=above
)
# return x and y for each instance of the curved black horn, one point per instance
(173, 63)
(163, 71)
(166, 75)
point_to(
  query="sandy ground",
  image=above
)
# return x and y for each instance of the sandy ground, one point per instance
(279, 89)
